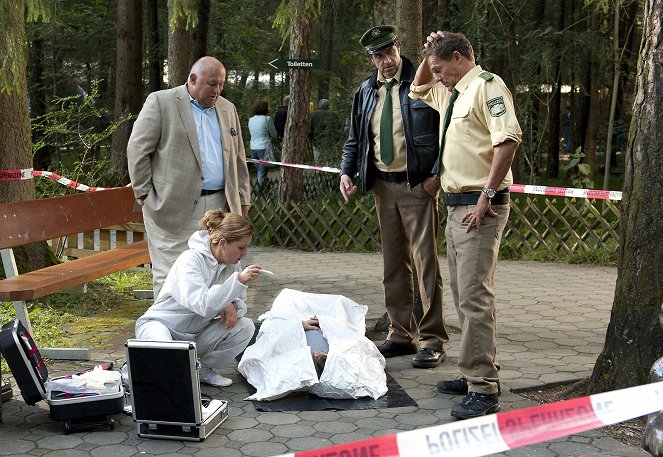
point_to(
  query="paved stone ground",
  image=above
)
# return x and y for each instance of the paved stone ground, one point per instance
(551, 324)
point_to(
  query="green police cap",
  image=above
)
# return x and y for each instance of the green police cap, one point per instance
(378, 38)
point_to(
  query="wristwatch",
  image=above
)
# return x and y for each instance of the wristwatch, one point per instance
(489, 193)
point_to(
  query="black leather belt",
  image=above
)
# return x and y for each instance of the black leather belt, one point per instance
(471, 198)
(209, 192)
(396, 176)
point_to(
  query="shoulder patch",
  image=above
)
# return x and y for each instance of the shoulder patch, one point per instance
(496, 106)
(486, 75)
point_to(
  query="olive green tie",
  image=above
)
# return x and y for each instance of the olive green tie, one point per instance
(386, 127)
(447, 121)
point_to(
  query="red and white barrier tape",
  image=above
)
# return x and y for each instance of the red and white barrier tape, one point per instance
(68, 182)
(566, 192)
(16, 175)
(508, 430)
(28, 173)
(297, 165)
(518, 188)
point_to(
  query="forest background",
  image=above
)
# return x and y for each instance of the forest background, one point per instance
(570, 64)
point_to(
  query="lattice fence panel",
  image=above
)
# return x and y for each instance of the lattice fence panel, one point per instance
(326, 222)
(567, 224)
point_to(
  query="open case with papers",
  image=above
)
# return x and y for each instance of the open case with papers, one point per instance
(165, 392)
(80, 407)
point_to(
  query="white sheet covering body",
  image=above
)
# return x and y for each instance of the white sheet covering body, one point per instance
(280, 362)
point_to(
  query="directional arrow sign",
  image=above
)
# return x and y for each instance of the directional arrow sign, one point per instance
(281, 64)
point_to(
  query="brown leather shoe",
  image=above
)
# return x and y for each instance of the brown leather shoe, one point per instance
(391, 349)
(428, 358)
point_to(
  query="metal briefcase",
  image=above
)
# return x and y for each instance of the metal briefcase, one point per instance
(29, 370)
(165, 392)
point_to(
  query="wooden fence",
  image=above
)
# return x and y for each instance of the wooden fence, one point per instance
(323, 221)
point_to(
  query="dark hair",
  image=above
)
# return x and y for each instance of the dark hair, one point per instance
(444, 46)
(319, 364)
(260, 107)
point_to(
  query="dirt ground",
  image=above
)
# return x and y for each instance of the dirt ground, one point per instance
(628, 432)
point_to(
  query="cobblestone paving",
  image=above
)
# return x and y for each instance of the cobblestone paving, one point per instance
(551, 326)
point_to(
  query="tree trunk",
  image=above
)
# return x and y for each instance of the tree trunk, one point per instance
(153, 47)
(296, 128)
(15, 142)
(128, 79)
(326, 50)
(589, 134)
(201, 31)
(429, 17)
(178, 49)
(613, 98)
(634, 338)
(554, 108)
(408, 20)
(531, 160)
(42, 157)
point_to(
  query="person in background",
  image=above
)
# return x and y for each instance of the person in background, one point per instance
(261, 129)
(281, 117)
(393, 146)
(323, 130)
(186, 156)
(479, 139)
(204, 296)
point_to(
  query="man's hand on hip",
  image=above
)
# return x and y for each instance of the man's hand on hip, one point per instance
(475, 216)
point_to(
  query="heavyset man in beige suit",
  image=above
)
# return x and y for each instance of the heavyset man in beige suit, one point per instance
(181, 163)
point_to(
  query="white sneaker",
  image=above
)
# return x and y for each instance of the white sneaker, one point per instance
(208, 376)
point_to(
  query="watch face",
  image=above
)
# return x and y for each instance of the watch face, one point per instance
(490, 193)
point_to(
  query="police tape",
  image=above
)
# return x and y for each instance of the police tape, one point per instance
(68, 182)
(566, 192)
(16, 175)
(508, 430)
(297, 165)
(29, 173)
(517, 188)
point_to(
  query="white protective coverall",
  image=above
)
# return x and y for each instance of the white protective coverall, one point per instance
(280, 362)
(195, 291)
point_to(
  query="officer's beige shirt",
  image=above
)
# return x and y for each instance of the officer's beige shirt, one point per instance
(400, 159)
(483, 117)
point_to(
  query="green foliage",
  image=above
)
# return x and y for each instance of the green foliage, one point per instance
(107, 299)
(79, 130)
(184, 9)
(290, 11)
(580, 172)
(47, 325)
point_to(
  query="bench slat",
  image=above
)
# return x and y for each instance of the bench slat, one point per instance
(56, 278)
(33, 221)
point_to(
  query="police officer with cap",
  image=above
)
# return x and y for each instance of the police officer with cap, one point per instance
(392, 150)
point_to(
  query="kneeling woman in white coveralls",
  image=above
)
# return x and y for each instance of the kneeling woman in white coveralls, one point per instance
(203, 297)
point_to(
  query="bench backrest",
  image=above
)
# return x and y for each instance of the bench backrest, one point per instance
(44, 219)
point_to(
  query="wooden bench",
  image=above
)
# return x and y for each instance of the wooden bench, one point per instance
(46, 219)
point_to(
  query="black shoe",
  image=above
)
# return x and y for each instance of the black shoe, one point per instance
(458, 387)
(455, 387)
(428, 358)
(391, 349)
(476, 405)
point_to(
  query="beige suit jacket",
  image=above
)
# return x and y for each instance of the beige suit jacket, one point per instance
(165, 163)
